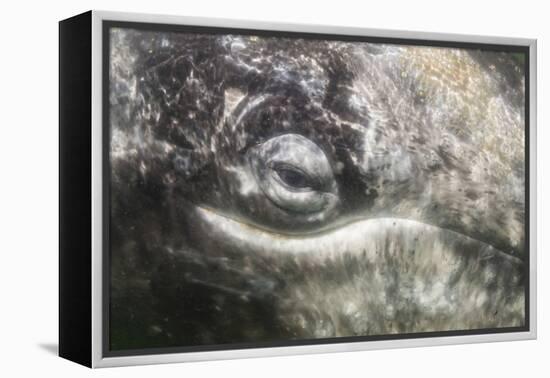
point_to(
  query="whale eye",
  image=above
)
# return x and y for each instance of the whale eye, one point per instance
(294, 174)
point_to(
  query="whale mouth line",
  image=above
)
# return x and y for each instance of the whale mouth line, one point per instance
(354, 228)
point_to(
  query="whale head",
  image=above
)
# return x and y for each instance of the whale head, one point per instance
(274, 189)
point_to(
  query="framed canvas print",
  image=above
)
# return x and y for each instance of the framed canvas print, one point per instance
(234, 189)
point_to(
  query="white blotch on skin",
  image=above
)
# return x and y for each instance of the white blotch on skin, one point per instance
(247, 182)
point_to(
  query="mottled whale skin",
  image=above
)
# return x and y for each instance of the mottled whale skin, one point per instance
(272, 189)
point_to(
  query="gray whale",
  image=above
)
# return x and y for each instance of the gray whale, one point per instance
(273, 189)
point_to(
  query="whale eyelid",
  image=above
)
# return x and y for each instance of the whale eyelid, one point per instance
(277, 166)
(295, 175)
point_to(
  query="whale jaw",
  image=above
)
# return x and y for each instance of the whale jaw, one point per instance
(367, 277)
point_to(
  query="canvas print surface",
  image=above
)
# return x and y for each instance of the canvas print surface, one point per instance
(278, 189)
